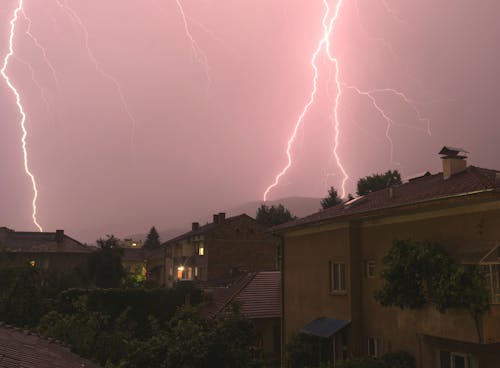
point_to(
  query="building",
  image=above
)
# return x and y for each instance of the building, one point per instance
(332, 259)
(258, 295)
(54, 251)
(220, 250)
(23, 348)
(145, 264)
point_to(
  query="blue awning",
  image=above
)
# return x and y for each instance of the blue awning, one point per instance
(324, 327)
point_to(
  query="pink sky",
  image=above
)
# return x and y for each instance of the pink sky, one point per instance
(200, 146)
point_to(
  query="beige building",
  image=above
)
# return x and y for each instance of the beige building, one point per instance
(220, 250)
(332, 262)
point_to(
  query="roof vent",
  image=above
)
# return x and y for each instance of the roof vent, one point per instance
(454, 161)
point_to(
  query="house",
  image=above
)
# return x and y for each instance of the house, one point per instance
(54, 251)
(220, 250)
(331, 263)
(258, 295)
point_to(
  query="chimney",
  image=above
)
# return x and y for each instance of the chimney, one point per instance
(195, 226)
(59, 236)
(216, 218)
(222, 217)
(454, 161)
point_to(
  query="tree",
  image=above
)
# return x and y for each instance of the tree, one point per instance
(152, 240)
(273, 215)
(332, 199)
(375, 182)
(105, 265)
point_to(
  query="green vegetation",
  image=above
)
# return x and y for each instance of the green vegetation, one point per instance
(273, 215)
(152, 240)
(105, 265)
(375, 182)
(332, 199)
(417, 273)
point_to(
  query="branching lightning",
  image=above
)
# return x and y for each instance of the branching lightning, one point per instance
(3, 71)
(199, 55)
(323, 45)
(71, 13)
(328, 23)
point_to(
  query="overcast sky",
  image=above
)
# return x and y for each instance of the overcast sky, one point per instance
(201, 138)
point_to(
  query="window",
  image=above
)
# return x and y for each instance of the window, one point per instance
(201, 249)
(449, 359)
(370, 268)
(32, 263)
(375, 346)
(184, 273)
(492, 272)
(337, 277)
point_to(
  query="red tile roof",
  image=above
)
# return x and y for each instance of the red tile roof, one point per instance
(425, 188)
(20, 348)
(259, 296)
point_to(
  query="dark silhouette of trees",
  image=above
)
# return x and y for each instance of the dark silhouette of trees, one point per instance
(375, 182)
(105, 265)
(273, 215)
(152, 240)
(332, 199)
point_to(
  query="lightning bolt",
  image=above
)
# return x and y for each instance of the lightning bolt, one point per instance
(199, 55)
(71, 13)
(328, 22)
(3, 71)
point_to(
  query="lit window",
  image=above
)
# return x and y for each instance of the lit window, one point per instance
(337, 277)
(184, 273)
(375, 346)
(32, 263)
(201, 249)
(370, 269)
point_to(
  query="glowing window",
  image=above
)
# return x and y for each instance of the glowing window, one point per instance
(201, 250)
(32, 263)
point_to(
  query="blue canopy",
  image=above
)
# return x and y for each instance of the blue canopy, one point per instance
(324, 327)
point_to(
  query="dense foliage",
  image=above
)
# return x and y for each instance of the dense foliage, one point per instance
(273, 215)
(185, 340)
(105, 265)
(420, 272)
(375, 182)
(332, 199)
(152, 240)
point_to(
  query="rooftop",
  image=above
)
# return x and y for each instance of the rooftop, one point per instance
(19, 348)
(258, 293)
(31, 241)
(423, 189)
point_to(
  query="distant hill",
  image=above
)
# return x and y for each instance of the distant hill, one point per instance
(298, 206)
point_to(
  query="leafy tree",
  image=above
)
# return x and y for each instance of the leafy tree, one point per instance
(152, 240)
(375, 182)
(273, 215)
(419, 272)
(105, 265)
(332, 199)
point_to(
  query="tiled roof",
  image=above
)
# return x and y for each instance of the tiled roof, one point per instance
(27, 241)
(206, 228)
(21, 349)
(425, 188)
(259, 296)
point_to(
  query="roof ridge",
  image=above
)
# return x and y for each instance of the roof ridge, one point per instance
(483, 179)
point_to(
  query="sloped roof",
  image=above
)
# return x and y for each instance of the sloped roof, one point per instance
(325, 327)
(22, 349)
(425, 188)
(259, 296)
(206, 228)
(39, 242)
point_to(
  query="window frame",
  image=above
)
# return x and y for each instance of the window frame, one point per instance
(377, 345)
(370, 264)
(341, 275)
